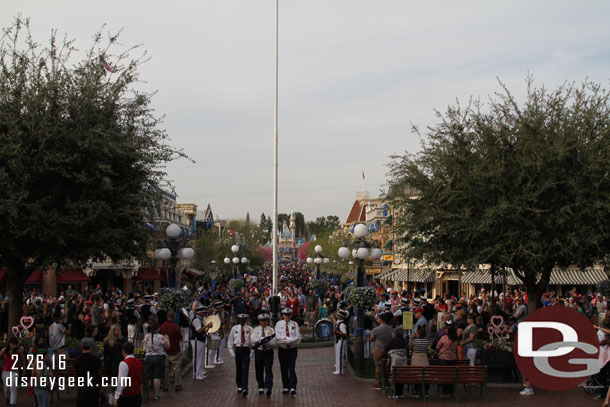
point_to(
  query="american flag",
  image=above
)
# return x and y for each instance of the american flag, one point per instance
(106, 65)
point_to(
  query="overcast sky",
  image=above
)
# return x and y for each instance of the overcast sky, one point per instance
(354, 75)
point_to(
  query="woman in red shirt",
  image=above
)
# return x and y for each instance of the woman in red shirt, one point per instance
(293, 303)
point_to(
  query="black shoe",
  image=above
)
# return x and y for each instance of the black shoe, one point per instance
(179, 388)
(239, 390)
(268, 392)
(244, 393)
(261, 390)
(285, 391)
(293, 392)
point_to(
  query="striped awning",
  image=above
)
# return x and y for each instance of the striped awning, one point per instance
(484, 277)
(415, 275)
(574, 276)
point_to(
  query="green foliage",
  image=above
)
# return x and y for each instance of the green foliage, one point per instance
(206, 247)
(525, 186)
(172, 298)
(82, 154)
(361, 297)
(344, 280)
(253, 235)
(322, 226)
(236, 284)
(319, 285)
(80, 150)
(331, 242)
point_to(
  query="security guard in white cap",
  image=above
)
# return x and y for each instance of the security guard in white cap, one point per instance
(340, 342)
(263, 339)
(288, 336)
(239, 347)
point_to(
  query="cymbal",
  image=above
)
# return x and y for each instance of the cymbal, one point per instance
(215, 320)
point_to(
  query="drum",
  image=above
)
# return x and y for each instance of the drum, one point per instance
(324, 328)
(213, 344)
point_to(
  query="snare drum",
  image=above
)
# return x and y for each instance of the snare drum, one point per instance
(324, 329)
(213, 342)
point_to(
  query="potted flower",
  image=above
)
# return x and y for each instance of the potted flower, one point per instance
(236, 284)
(172, 298)
(361, 297)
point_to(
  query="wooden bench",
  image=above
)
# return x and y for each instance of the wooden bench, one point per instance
(456, 375)
(386, 373)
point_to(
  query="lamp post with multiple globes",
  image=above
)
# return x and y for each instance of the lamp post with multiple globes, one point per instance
(319, 259)
(236, 260)
(361, 250)
(176, 247)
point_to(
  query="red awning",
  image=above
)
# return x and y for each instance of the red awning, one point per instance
(35, 277)
(147, 275)
(72, 276)
(164, 273)
(2, 276)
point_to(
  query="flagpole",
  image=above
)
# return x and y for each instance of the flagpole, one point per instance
(275, 142)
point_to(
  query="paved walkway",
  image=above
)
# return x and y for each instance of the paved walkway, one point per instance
(318, 387)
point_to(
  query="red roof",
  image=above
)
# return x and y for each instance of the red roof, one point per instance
(147, 275)
(357, 213)
(35, 277)
(72, 276)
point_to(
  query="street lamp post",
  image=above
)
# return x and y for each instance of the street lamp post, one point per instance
(236, 260)
(361, 250)
(176, 247)
(319, 259)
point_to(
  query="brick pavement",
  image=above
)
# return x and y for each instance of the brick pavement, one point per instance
(318, 387)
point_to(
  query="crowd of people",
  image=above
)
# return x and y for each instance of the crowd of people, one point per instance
(448, 327)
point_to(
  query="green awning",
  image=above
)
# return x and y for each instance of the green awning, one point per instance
(388, 220)
(388, 244)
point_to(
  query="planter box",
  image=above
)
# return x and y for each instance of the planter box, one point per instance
(501, 366)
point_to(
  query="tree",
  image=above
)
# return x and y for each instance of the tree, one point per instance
(322, 225)
(206, 248)
(331, 242)
(81, 155)
(525, 187)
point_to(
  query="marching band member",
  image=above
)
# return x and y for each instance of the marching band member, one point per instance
(198, 334)
(288, 337)
(215, 355)
(146, 310)
(239, 347)
(263, 354)
(340, 342)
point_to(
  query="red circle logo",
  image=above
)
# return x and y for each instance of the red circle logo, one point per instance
(556, 348)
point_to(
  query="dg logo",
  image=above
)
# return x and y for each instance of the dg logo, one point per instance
(556, 348)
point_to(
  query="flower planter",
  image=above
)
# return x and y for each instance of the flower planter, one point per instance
(501, 366)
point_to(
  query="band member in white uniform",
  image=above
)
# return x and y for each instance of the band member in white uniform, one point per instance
(288, 336)
(263, 354)
(239, 347)
(198, 334)
(215, 355)
(340, 342)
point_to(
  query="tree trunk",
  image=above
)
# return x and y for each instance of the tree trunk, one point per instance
(535, 288)
(15, 280)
